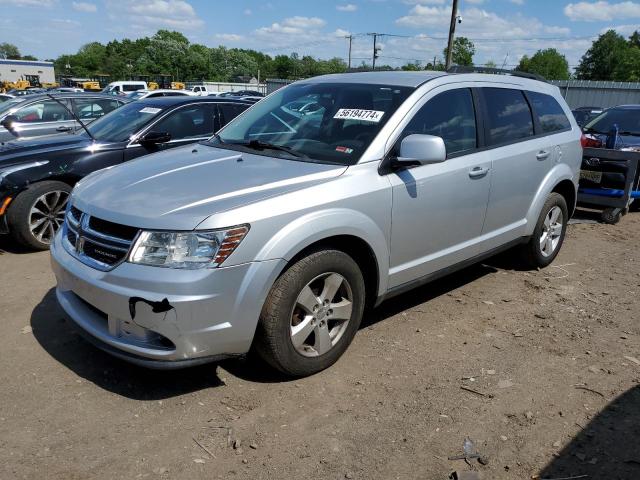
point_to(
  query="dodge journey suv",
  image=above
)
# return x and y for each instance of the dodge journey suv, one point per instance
(327, 197)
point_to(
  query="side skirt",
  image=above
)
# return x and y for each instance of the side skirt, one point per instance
(405, 287)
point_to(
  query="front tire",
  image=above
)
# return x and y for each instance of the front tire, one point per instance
(311, 314)
(37, 213)
(548, 236)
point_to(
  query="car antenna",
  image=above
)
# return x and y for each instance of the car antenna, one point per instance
(84, 127)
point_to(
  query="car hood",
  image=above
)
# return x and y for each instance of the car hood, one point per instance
(180, 188)
(22, 149)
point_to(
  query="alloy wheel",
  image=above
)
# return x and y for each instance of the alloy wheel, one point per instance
(321, 314)
(551, 231)
(47, 215)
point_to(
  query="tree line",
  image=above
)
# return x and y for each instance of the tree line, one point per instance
(611, 57)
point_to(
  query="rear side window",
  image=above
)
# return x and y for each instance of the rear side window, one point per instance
(508, 115)
(132, 88)
(449, 115)
(550, 114)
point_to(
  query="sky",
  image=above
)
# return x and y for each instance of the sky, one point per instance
(502, 30)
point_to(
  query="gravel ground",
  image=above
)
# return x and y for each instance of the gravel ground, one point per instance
(540, 369)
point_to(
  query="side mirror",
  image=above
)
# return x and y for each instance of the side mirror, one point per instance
(154, 138)
(422, 149)
(9, 122)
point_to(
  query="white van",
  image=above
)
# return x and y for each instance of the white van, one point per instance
(123, 88)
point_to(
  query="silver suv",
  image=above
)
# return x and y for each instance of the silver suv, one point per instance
(327, 197)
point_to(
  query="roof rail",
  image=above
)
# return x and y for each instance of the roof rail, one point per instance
(494, 71)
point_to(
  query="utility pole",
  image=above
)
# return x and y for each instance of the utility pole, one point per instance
(350, 37)
(452, 31)
(376, 48)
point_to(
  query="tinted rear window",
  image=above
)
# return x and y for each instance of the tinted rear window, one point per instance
(550, 114)
(508, 114)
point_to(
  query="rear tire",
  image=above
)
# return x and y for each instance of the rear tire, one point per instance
(311, 314)
(37, 213)
(548, 236)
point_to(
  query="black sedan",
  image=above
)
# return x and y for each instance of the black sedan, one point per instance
(37, 175)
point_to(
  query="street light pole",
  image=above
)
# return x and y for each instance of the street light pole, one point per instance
(452, 31)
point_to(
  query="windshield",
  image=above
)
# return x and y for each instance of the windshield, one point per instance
(627, 120)
(122, 123)
(326, 122)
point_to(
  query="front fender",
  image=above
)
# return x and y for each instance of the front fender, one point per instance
(556, 175)
(316, 226)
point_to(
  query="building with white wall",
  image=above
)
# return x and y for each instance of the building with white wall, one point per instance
(13, 70)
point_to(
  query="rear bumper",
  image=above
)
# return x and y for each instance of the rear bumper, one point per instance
(211, 313)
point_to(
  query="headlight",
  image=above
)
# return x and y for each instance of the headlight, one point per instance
(188, 250)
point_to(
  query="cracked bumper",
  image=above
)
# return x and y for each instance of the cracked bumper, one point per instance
(213, 314)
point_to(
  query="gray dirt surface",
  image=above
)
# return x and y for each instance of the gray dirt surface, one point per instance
(391, 408)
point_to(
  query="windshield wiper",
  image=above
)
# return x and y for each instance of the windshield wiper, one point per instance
(259, 145)
(591, 130)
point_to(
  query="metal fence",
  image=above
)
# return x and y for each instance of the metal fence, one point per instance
(274, 84)
(586, 93)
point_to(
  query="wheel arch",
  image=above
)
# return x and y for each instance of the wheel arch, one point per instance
(561, 180)
(349, 231)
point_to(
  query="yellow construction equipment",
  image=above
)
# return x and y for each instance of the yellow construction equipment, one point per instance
(17, 85)
(177, 85)
(153, 85)
(90, 86)
(50, 84)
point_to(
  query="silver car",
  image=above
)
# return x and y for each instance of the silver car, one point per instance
(36, 115)
(277, 233)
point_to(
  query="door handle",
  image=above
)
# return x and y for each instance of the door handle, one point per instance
(478, 172)
(542, 155)
(64, 129)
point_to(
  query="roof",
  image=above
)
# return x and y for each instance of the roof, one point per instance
(399, 79)
(31, 63)
(163, 102)
(42, 96)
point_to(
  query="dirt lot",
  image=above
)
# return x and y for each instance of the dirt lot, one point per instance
(553, 356)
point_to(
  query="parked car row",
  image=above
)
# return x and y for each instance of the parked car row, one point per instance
(275, 233)
(38, 174)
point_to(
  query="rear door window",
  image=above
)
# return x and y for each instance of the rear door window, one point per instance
(549, 112)
(92, 108)
(229, 111)
(509, 117)
(449, 115)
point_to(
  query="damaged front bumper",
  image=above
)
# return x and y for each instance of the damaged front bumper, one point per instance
(161, 317)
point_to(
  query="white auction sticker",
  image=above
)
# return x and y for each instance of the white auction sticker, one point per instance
(151, 110)
(373, 116)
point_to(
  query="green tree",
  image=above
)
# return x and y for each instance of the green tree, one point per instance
(548, 63)
(601, 59)
(627, 69)
(463, 51)
(490, 64)
(411, 67)
(9, 51)
(28, 57)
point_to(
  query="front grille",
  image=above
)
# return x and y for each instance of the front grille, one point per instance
(96, 242)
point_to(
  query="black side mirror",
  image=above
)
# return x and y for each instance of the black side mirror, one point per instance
(8, 123)
(154, 138)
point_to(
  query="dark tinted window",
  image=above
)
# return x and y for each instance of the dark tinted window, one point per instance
(626, 119)
(508, 114)
(131, 88)
(229, 111)
(450, 115)
(550, 114)
(194, 121)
